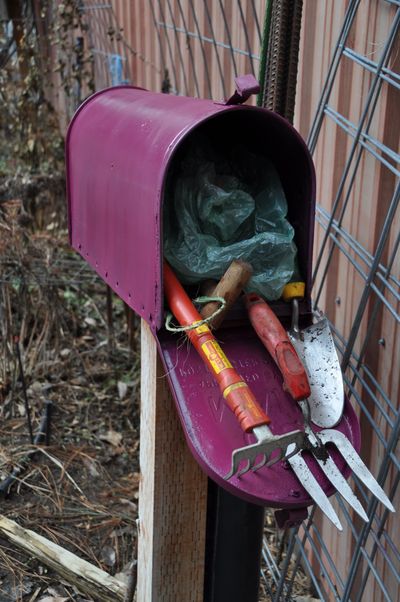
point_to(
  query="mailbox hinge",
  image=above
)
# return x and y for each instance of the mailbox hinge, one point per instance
(246, 85)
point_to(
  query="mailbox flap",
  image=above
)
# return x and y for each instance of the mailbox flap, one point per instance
(120, 145)
(213, 432)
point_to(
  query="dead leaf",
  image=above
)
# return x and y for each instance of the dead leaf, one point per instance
(126, 572)
(55, 594)
(21, 409)
(108, 556)
(91, 466)
(36, 386)
(122, 389)
(90, 321)
(128, 503)
(112, 437)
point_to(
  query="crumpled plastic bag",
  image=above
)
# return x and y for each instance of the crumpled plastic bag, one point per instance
(223, 207)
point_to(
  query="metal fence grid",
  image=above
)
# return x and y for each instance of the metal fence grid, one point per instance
(375, 554)
(193, 48)
(196, 50)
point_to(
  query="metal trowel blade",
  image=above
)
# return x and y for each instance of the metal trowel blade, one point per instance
(316, 350)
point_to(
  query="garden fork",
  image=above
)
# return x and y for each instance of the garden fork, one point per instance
(274, 337)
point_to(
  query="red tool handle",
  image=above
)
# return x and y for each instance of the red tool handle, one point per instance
(236, 392)
(276, 340)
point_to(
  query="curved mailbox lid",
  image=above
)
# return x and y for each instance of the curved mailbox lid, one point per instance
(212, 431)
(118, 151)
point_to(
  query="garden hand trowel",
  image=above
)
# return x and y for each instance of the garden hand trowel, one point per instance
(316, 350)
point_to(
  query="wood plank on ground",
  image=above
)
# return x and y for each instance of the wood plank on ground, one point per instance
(89, 579)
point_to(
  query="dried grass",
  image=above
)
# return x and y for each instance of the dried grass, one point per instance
(81, 491)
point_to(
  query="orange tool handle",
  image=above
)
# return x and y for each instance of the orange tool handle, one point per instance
(276, 340)
(236, 392)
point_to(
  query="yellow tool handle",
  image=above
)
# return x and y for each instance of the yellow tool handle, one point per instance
(294, 290)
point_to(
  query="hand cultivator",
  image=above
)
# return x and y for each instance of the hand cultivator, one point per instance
(274, 337)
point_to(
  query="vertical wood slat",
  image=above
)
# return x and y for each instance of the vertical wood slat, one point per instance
(229, 67)
(141, 35)
(146, 46)
(148, 40)
(196, 49)
(218, 25)
(172, 495)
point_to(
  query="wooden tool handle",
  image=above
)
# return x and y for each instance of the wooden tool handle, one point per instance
(229, 287)
(275, 338)
(236, 392)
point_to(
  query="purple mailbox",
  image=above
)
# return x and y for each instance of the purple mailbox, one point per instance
(121, 147)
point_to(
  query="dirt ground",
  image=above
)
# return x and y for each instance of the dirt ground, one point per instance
(79, 349)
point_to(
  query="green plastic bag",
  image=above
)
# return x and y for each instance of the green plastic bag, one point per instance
(220, 208)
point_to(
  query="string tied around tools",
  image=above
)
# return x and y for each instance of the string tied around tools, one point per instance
(208, 320)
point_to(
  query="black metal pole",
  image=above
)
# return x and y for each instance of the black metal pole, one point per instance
(233, 547)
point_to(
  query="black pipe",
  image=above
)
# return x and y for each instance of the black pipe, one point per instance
(233, 547)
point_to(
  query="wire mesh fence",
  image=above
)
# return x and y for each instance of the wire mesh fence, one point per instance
(182, 47)
(359, 247)
(196, 49)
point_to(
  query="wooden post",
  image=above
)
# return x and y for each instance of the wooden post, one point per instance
(172, 495)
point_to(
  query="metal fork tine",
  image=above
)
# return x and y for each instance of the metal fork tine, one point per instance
(234, 467)
(311, 485)
(356, 464)
(279, 457)
(261, 463)
(337, 479)
(332, 472)
(230, 474)
(246, 468)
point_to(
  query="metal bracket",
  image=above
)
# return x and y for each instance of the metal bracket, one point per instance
(286, 519)
(246, 85)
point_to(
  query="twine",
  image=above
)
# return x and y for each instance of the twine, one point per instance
(201, 300)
